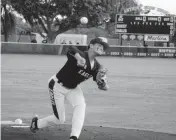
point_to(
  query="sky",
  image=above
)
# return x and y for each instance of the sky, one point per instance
(168, 5)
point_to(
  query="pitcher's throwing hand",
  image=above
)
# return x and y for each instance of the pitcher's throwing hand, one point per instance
(80, 60)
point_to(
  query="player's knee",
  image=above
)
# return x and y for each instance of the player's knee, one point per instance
(82, 105)
(56, 120)
(60, 120)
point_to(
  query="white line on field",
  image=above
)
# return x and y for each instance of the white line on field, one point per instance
(10, 122)
(20, 126)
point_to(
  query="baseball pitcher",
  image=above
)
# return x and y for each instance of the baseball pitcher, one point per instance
(79, 67)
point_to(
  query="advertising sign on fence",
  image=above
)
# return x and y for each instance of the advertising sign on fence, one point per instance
(142, 52)
(156, 38)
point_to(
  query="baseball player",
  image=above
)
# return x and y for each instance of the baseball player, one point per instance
(79, 67)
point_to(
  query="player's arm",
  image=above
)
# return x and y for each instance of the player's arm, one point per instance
(72, 51)
(76, 53)
(100, 76)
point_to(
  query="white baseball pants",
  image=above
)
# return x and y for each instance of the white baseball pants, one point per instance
(75, 97)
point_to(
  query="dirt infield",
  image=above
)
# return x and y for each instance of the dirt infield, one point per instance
(141, 97)
(88, 133)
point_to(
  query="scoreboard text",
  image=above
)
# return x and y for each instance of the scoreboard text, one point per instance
(144, 24)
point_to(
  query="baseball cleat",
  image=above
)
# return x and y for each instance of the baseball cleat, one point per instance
(73, 138)
(34, 127)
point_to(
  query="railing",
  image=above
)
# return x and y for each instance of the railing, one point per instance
(121, 51)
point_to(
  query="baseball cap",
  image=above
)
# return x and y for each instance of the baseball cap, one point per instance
(101, 40)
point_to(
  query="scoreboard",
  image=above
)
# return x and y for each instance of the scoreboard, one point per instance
(144, 24)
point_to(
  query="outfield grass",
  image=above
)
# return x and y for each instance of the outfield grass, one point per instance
(142, 91)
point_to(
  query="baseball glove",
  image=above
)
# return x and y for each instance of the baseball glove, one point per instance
(101, 79)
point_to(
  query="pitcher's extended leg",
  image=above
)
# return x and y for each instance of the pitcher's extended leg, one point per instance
(58, 106)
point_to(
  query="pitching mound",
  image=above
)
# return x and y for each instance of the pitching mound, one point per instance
(88, 133)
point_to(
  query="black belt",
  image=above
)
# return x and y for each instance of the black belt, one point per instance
(62, 84)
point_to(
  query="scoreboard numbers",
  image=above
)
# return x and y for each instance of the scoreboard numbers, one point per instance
(144, 24)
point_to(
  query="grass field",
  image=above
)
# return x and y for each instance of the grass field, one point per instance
(142, 92)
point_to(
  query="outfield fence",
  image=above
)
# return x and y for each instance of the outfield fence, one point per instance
(114, 50)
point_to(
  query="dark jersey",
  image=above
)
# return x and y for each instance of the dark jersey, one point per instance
(71, 75)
